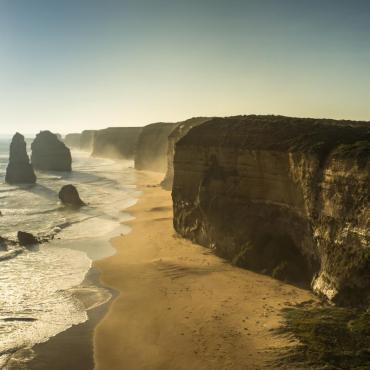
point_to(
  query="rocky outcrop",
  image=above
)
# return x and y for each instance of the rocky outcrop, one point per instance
(3, 244)
(151, 150)
(73, 141)
(179, 131)
(26, 239)
(87, 140)
(50, 154)
(19, 169)
(70, 197)
(116, 142)
(283, 196)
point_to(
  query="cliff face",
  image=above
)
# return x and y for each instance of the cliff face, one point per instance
(179, 131)
(151, 150)
(50, 154)
(73, 141)
(19, 169)
(283, 196)
(116, 142)
(87, 140)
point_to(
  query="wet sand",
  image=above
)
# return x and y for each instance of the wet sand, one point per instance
(179, 306)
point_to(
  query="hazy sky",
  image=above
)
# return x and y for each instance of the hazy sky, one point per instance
(67, 65)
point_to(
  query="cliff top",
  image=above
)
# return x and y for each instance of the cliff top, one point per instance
(188, 123)
(279, 133)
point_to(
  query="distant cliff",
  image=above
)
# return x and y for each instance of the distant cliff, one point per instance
(179, 131)
(283, 196)
(151, 151)
(87, 140)
(116, 142)
(19, 170)
(73, 141)
(49, 153)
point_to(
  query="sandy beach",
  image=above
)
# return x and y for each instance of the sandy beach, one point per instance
(178, 305)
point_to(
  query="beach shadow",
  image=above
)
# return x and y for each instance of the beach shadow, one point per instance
(176, 271)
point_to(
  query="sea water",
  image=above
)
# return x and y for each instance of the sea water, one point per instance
(37, 287)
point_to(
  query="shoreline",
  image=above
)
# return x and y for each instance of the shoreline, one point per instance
(73, 348)
(178, 306)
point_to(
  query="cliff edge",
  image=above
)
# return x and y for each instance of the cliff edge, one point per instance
(151, 149)
(288, 197)
(19, 170)
(116, 142)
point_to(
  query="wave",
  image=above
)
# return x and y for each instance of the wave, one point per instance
(4, 256)
(43, 288)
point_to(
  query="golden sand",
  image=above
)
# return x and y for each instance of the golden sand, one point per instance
(179, 306)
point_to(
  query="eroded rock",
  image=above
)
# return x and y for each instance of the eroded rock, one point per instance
(19, 169)
(50, 154)
(283, 196)
(26, 239)
(69, 196)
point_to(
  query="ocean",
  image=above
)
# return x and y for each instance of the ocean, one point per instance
(38, 287)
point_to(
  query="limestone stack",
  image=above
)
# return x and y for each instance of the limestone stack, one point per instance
(19, 169)
(50, 154)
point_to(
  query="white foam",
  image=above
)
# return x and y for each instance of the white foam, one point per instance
(37, 285)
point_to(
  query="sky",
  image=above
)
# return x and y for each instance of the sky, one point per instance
(69, 65)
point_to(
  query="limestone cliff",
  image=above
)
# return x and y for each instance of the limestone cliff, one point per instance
(73, 141)
(19, 169)
(180, 130)
(50, 154)
(284, 196)
(87, 140)
(116, 142)
(151, 150)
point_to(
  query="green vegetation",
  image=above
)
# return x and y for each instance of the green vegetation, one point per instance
(359, 151)
(330, 338)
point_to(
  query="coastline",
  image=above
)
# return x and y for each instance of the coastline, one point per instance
(73, 348)
(178, 305)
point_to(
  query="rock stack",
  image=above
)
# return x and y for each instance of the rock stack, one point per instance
(69, 196)
(19, 169)
(50, 154)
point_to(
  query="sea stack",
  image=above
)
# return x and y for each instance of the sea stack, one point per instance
(73, 141)
(50, 154)
(26, 239)
(19, 170)
(180, 131)
(116, 142)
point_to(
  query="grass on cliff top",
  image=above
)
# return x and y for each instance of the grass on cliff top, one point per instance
(330, 338)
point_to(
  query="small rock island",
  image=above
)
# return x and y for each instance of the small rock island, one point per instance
(69, 196)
